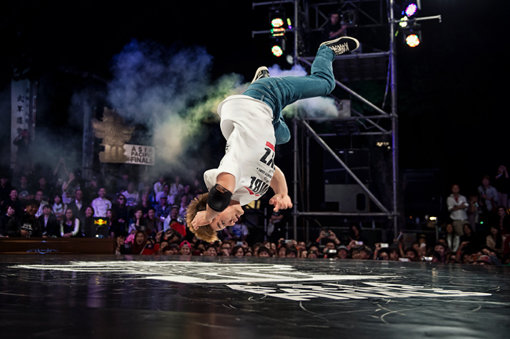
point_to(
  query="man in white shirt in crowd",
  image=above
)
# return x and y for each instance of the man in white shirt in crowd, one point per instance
(252, 124)
(131, 195)
(457, 206)
(100, 204)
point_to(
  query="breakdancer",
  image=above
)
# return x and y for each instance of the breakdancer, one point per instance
(252, 124)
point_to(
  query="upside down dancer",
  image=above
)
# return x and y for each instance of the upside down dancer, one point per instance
(252, 124)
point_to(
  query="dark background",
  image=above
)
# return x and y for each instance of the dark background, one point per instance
(452, 89)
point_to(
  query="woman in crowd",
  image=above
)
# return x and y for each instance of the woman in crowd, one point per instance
(138, 223)
(88, 226)
(494, 240)
(58, 207)
(452, 238)
(70, 225)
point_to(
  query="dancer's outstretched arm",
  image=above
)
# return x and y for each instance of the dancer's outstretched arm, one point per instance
(281, 199)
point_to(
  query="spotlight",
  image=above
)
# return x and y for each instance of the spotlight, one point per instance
(277, 50)
(410, 8)
(412, 39)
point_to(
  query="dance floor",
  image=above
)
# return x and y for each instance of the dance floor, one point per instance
(54, 296)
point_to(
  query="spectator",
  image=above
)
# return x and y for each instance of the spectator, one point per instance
(163, 193)
(131, 195)
(238, 251)
(327, 236)
(139, 242)
(176, 187)
(101, 204)
(355, 234)
(153, 224)
(457, 206)
(334, 27)
(342, 252)
(158, 185)
(502, 185)
(58, 208)
(501, 220)
(162, 209)
(24, 193)
(77, 205)
(474, 211)
(183, 207)
(440, 254)
(210, 251)
(185, 248)
(88, 226)
(69, 187)
(488, 197)
(452, 238)
(41, 200)
(263, 252)
(494, 240)
(120, 247)
(137, 223)
(14, 202)
(239, 231)
(48, 224)
(120, 215)
(276, 227)
(42, 185)
(8, 223)
(70, 225)
(174, 222)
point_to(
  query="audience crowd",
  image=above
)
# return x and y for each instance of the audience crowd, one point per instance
(147, 217)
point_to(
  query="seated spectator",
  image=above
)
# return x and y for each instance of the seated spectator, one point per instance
(361, 253)
(137, 223)
(440, 254)
(88, 226)
(494, 240)
(172, 221)
(58, 207)
(162, 209)
(41, 200)
(153, 223)
(70, 225)
(263, 252)
(131, 195)
(292, 252)
(120, 247)
(9, 223)
(14, 202)
(452, 237)
(48, 225)
(163, 193)
(138, 242)
(238, 251)
(225, 249)
(120, 212)
(210, 251)
(78, 205)
(149, 248)
(185, 248)
(394, 254)
(342, 252)
(24, 192)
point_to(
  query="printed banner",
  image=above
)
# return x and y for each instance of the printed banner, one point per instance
(139, 154)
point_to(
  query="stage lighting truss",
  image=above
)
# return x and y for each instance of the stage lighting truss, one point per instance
(279, 26)
(408, 25)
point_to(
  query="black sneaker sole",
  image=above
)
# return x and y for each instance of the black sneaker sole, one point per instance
(342, 45)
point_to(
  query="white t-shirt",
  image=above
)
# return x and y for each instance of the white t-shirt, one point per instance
(247, 125)
(451, 202)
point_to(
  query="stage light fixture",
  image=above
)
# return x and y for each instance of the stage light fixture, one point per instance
(412, 39)
(277, 50)
(411, 8)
